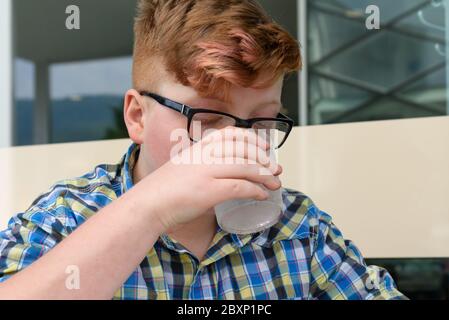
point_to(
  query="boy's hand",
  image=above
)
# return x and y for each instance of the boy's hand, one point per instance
(180, 192)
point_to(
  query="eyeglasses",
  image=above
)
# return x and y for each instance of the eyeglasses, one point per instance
(199, 121)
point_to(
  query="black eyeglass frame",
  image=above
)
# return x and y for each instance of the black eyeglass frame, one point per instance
(189, 112)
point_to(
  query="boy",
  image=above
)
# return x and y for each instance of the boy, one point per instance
(145, 228)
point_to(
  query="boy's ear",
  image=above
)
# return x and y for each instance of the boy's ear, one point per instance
(133, 113)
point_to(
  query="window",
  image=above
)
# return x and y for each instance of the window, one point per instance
(69, 84)
(356, 74)
(86, 100)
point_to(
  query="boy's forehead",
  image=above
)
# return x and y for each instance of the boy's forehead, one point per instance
(199, 101)
(236, 94)
(172, 88)
(207, 103)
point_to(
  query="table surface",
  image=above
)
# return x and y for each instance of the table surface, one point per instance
(385, 183)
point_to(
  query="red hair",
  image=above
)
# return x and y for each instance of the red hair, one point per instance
(211, 44)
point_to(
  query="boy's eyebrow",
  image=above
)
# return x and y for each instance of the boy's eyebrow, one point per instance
(213, 102)
(193, 102)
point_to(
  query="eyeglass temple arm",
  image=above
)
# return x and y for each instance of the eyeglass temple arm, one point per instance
(166, 102)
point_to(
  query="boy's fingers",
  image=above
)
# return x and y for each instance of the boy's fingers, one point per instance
(279, 170)
(240, 150)
(240, 189)
(253, 172)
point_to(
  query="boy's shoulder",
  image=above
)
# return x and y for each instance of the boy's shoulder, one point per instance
(76, 199)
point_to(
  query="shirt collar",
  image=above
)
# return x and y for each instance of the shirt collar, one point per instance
(238, 240)
(128, 162)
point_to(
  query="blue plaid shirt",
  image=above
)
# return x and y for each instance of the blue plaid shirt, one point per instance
(303, 256)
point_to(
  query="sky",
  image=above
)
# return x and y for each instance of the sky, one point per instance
(67, 80)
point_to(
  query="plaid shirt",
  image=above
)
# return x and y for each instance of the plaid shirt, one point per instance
(303, 256)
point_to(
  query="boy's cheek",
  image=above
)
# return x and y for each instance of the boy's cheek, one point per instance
(158, 144)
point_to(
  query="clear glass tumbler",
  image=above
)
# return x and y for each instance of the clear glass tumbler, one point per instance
(244, 216)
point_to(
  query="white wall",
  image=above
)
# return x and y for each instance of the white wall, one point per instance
(386, 183)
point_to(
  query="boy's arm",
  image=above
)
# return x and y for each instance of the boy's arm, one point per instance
(111, 244)
(105, 250)
(338, 270)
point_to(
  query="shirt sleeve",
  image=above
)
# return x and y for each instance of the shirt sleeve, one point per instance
(338, 270)
(28, 237)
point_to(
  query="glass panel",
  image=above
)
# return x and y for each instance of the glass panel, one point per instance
(329, 99)
(403, 64)
(429, 91)
(356, 8)
(414, 23)
(323, 38)
(87, 99)
(383, 109)
(385, 60)
(82, 75)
